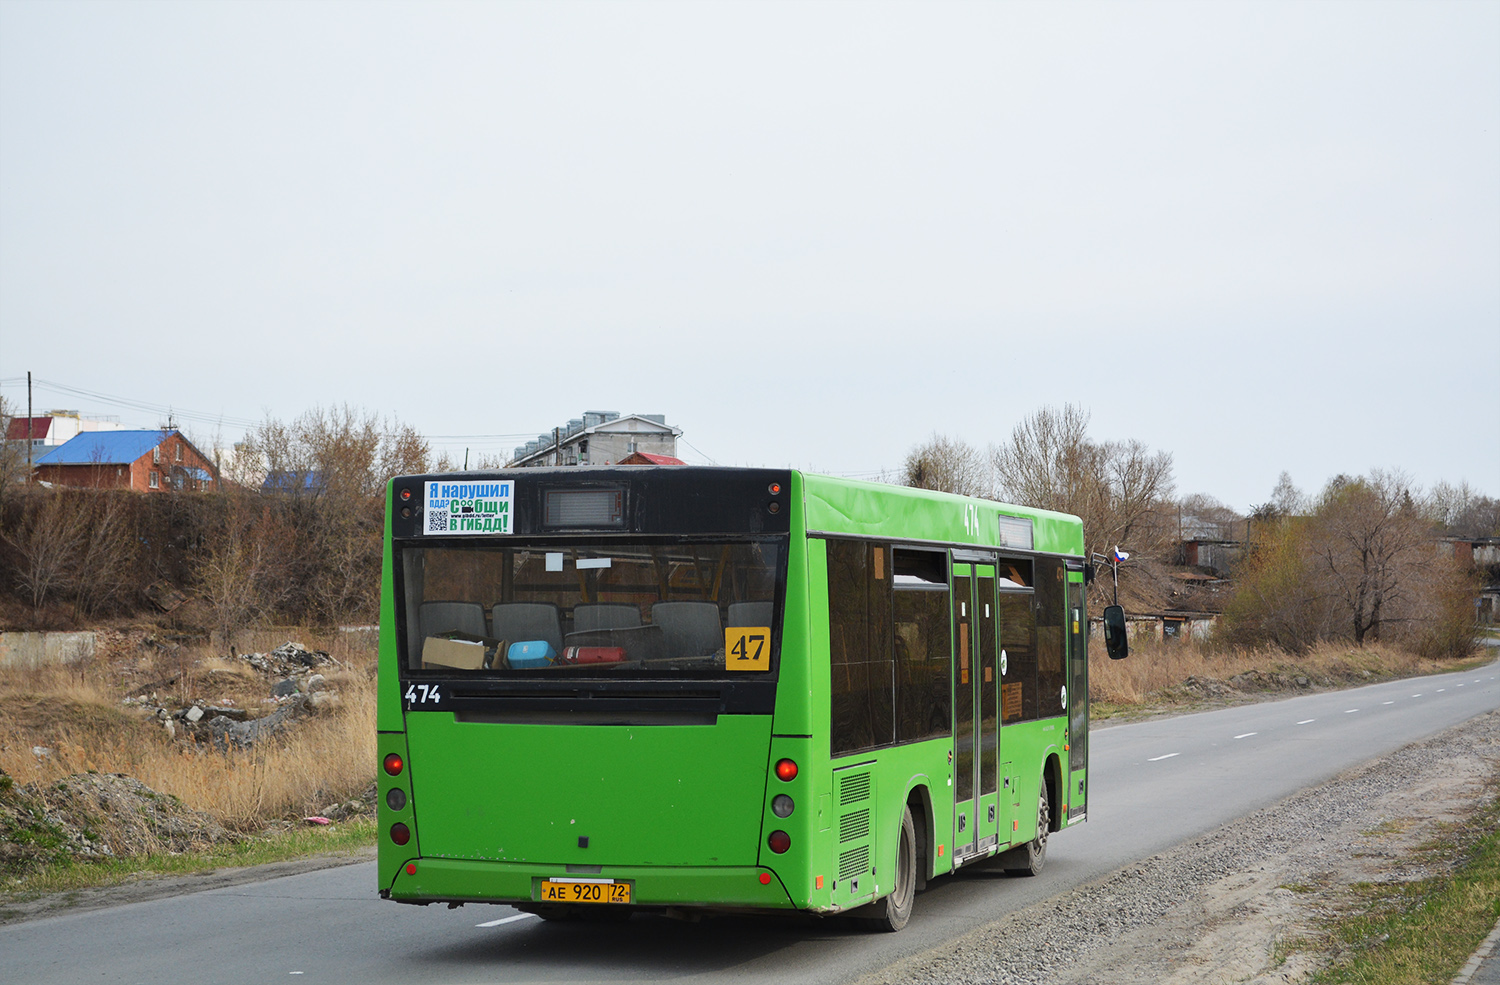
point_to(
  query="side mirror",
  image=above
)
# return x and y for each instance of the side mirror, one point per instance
(1115, 641)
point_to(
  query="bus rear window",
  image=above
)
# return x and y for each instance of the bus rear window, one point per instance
(697, 609)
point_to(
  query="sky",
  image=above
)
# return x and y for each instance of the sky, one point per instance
(1259, 236)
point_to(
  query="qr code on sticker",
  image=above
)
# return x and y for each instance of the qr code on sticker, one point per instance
(437, 521)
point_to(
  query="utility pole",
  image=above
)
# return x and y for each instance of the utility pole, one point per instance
(29, 426)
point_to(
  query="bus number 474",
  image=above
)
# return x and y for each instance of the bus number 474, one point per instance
(421, 694)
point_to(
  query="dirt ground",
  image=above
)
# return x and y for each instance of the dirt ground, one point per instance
(1248, 902)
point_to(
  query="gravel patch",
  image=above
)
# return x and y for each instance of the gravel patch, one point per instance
(1220, 908)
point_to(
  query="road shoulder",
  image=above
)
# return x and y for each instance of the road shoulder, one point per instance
(1246, 902)
(151, 887)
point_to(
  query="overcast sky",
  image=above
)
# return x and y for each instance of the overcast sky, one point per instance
(1258, 236)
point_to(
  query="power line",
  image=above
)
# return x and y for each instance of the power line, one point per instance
(159, 410)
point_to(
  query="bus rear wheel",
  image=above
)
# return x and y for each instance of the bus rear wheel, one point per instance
(1029, 859)
(892, 912)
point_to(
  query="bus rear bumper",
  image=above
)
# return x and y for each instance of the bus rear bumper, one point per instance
(443, 880)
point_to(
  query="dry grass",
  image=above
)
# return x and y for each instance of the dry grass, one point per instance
(1153, 675)
(77, 714)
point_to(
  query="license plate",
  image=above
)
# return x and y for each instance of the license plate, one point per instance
(585, 891)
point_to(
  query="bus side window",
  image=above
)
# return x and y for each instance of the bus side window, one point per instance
(923, 703)
(1018, 698)
(1051, 601)
(859, 647)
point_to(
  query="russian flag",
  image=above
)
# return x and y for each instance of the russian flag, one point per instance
(1119, 556)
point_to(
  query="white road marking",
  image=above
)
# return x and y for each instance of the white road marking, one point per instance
(1157, 759)
(1441, 690)
(496, 923)
(1387, 702)
(1416, 695)
(1307, 721)
(1246, 735)
(1350, 711)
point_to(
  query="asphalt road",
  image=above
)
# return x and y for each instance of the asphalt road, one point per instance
(1155, 784)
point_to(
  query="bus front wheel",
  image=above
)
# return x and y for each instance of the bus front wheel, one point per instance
(891, 913)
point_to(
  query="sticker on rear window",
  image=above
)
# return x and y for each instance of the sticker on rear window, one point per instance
(469, 507)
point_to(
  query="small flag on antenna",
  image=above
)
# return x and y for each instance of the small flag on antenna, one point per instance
(1119, 556)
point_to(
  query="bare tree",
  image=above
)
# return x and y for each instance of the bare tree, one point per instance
(242, 574)
(338, 451)
(47, 540)
(1462, 511)
(1366, 543)
(1120, 489)
(947, 465)
(12, 454)
(101, 577)
(1361, 565)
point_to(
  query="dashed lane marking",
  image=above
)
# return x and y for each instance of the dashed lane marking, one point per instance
(1387, 702)
(1307, 721)
(1157, 759)
(1350, 711)
(496, 923)
(1246, 735)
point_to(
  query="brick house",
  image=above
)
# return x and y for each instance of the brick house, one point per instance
(147, 461)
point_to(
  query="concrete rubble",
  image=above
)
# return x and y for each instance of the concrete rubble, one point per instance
(295, 688)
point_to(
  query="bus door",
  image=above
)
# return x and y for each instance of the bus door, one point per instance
(976, 724)
(1078, 696)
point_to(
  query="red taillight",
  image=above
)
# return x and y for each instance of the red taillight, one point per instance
(786, 770)
(401, 834)
(405, 495)
(765, 878)
(411, 869)
(394, 764)
(779, 841)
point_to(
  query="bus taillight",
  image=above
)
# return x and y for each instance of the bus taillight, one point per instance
(779, 841)
(401, 834)
(786, 770)
(394, 764)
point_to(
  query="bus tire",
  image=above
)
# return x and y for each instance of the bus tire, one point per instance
(1028, 859)
(891, 913)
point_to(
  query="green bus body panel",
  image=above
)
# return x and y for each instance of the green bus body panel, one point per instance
(388, 683)
(641, 795)
(795, 710)
(900, 513)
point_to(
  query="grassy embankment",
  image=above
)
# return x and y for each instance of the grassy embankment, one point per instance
(1185, 675)
(259, 795)
(1413, 933)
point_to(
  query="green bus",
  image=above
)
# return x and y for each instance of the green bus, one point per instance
(673, 688)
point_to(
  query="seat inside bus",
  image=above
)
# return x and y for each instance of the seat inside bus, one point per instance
(750, 614)
(516, 622)
(690, 629)
(592, 616)
(436, 618)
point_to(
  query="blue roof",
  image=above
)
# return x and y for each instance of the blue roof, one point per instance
(292, 480)
(104, 448)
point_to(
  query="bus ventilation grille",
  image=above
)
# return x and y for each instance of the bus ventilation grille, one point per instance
(854, 789)
(854, 826)
(854, 862)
